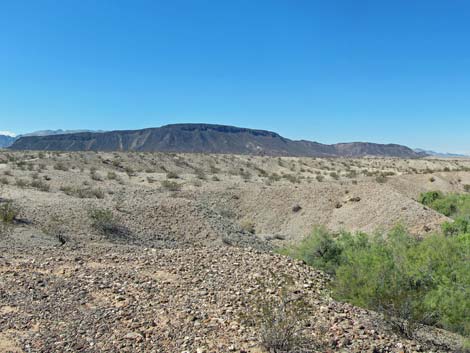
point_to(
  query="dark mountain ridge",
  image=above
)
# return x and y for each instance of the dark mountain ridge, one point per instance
(6, 141)
(206, 138)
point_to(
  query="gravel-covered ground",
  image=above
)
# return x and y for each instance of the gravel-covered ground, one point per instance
(132, 299)
(197, 258)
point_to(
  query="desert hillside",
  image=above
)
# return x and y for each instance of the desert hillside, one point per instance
(186, 247)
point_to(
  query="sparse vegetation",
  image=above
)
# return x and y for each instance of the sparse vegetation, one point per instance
(282, 318)
(104, 222)
(8, 212)
(171, 185)
(248, 226)
(61, 166)
(40, 185)
(56, 229)
(112, 175)
(172, 175)
(83, 193)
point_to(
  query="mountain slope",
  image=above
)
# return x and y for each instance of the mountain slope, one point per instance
(440, 154)
(205, 138)
(6, 141)
(55, 132)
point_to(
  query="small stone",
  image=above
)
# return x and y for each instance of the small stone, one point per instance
(133, 336)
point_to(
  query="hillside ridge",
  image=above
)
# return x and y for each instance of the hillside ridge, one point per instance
(207, 138)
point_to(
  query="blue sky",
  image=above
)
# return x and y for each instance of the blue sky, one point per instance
(340, 70)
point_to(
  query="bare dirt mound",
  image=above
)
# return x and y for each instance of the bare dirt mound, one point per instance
(294, 211)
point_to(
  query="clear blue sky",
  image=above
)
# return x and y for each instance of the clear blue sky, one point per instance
(324, 70)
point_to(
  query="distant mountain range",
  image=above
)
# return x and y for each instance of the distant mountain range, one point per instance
(439, 154)
(7, 138)
(56, 132)
(205, 138)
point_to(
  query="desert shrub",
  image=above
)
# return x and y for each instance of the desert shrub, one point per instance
(381, 178)
(291, 177)
(197, 183)
(248, 226)
(320, 178)
(105, 223)
(40, 185)
(215, 178)
(427, 198)
(61, 166)
(172, 175)
(21, 183)
(171, 185)
(274, 177)
(409, 281)
(282, 318)
(319, 250)
(129, 171)
(4, 181)
(450, 205)
(112, 175)
(8, 212)
(214, 169)
(461, 225)
(200, 174)
(245, 174)
(95, 176)
(83, 193)
(466, 187)
(8, 173)
(334, 175)
(56, 229)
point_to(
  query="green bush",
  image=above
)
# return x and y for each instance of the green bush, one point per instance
(40, 185)
(83, 193)
(105, 223)
(456, 206)
(172, 175)
(112, 175)
(410, 281)
(171, 185)
(8, 212)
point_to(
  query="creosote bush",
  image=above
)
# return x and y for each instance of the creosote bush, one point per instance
(248, 226)
(8, 212)
(281, 318)
(55, 228)
(105, 223)
(61, 166)
(171, 185)
(8, 215)
(83, 193)
(112, 175)
(40, 185)
(172, 175)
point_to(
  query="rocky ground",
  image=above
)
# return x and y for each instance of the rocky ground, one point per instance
(132, 299)
(197, 255)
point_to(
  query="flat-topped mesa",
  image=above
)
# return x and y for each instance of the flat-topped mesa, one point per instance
(206, 138)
